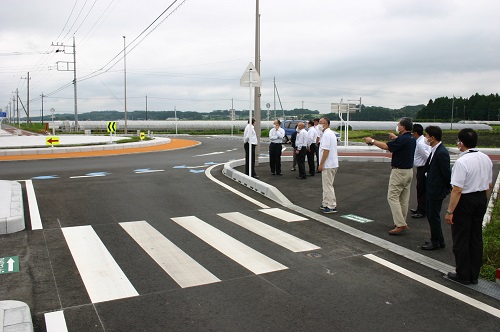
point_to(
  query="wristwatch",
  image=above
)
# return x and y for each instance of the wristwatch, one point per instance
(373, 141)
(448, 212)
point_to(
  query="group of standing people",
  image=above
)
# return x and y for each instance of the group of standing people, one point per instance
(470, 183)
(319, 140)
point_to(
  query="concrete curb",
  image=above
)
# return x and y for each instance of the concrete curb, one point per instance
(111, 146)
(11, 210)
(15, 316)
(272, 192)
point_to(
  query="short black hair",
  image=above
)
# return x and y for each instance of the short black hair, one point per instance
(316, 119)
(468, 137)
(407, 123)
(434, 131)
(327, 120)
(417, 128)
(278, 120)
(311, 122)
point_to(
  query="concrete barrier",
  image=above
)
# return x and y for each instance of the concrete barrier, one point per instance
(15, 316)
(11, 207)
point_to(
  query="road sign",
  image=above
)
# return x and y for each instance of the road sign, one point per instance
(52, 140)
(143, 136)
(250, 76)
(9, 264)
(111, 127)
(3, 114)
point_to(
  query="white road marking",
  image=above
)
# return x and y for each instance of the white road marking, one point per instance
(232, 248)
(275, 235)
(55, 322)
(248, 198)
(208, 154)
(181, 267)
(283, 215)
(103, 278)
(36, 220)
(459, 296)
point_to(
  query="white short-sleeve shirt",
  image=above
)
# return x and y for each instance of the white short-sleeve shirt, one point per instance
(329, 142)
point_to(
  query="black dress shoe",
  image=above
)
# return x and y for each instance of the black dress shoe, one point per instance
(474, 282)
(453, 276)
(279, 174)
(301, 177)
(417, 215)
(430, 246)
(442, 245)
(413, 210)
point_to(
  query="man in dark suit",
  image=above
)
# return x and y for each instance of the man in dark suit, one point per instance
(437, 185)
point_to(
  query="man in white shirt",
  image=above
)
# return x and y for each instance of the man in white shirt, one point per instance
(250, 143)
(301, 151)
(276, 135)
(472, 182)
(318, 139)
(422, 152)
(328, 165)
(311, 146)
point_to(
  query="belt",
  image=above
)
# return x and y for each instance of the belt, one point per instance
(400, 167)
(276, 143)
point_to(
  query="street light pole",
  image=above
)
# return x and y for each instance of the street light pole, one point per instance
(125, 80)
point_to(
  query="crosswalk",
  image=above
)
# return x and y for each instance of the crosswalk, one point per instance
(105, 280)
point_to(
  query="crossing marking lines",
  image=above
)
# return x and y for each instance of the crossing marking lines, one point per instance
(103, 278)
(181, 267)
(283, 215)
(232, 248)
(275, 235)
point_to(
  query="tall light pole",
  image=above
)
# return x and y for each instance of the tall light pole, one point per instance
(256, 106)
(125, 80)
(74, 84)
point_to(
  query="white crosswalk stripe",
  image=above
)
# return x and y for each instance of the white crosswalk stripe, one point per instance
(232, 248)
(181, 267)
(283, 215)
(105, 281)
(272, 234)
(100, 273)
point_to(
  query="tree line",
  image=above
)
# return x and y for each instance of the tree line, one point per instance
(476, 107)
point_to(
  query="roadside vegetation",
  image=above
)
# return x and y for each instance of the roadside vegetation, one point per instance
(491, 245)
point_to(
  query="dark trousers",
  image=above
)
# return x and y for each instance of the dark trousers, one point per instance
(301, 162)
(467, 233)
(317, 156)
(247, 148)
(434, 219)
(421, 201)
(310, 158)
(275, 157)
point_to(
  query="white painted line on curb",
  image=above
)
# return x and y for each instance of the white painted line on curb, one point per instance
(459, 296)
(36, 220)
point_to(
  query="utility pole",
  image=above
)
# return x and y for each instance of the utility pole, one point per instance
(42, 107)
(125, 80)
(146, 107)
(452, 106)
(68, 68)
(27, 78)
(256, 106)
(17, 106)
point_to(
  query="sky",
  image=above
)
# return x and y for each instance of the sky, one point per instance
(189, 55)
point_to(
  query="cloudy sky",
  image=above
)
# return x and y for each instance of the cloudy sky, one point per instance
(390, 53)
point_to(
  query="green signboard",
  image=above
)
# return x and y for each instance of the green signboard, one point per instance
(9, 264)
(356, 218)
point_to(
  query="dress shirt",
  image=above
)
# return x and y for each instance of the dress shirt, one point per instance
(472, 172)
(319, 133)
(311, 136)
(249, 135)
(301, 141)
(329, 142)
(422, 152)
(433, 150)
(276, 136)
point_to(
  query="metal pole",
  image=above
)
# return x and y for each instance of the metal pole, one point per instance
(17, 106)
(125, 81)
(452, 106)
(175, 116)
(250, 123)
(274, 97)
(42, 108)
(28, 100)
(146, 107)
(257, 114)
(74, 84)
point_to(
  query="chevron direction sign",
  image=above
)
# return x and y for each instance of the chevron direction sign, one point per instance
(111, 126)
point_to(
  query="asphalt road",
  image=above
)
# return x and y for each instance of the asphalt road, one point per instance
(136, 208)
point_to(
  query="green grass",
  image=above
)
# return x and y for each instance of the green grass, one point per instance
(491, 245)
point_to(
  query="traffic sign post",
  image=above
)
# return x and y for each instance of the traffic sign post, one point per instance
(9, 264)
(250, 78)
(111, 126)
(52, 140)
